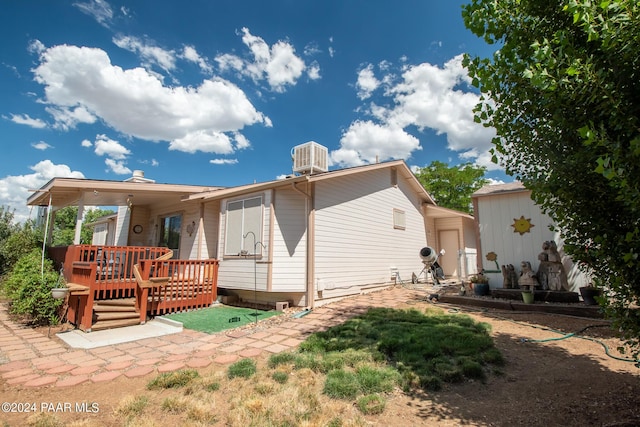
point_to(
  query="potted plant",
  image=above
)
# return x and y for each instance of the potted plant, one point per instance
(480, 284)
(590, 294)
(527, 296)
(59, 293)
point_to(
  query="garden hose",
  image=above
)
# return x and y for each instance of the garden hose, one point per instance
(575, 334)
(563, 337)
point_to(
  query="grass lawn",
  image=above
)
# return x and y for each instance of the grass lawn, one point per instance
(219, 318)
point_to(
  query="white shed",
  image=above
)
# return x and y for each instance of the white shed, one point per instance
(512, 228)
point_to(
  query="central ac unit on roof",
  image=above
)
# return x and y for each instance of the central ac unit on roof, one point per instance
(310, 158)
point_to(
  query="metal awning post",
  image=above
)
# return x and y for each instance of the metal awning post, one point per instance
(44, 239)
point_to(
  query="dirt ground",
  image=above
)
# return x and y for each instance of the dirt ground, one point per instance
(557, 382)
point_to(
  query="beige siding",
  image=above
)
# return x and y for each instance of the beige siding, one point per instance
(289, 242)
(496, 214)
(211, 221)
(356, 243)
(139, 216)
(190, 220)
(100, 233)
(122, 226)
(240, 272)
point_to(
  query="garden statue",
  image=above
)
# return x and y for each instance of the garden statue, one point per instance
(551, 274)
(527, 279)
(509, 277)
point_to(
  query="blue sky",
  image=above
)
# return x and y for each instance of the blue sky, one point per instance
(218, 92)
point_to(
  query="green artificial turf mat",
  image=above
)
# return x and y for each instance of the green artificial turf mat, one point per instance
(216, 319)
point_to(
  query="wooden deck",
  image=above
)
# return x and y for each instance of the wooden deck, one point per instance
(159, 284)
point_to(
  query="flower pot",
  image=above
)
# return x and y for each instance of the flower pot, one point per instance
(589, 295)
(527, 297)
(481, 289)
(59, 293)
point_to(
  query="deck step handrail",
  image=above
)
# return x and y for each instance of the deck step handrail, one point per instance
(192, 284)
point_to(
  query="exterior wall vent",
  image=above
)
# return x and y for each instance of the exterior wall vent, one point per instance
(310, 158)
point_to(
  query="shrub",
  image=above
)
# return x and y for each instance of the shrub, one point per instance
(371, 404)
(244, 368)
(280, 377)
(213, 386)
(283, 358)
(375, 380)
(132, 406)
(29, 285)
(341, 384)
(173, 379)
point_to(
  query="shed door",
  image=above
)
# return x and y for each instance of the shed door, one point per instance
(450, 242)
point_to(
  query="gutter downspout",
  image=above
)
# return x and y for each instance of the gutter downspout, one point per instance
(309, 225)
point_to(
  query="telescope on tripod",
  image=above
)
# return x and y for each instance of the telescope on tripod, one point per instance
(431, 267)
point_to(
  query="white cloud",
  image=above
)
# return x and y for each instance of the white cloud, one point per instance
(191, 54)
(241, 141)
(313, 71)
(36, 46)
(25, 119)
(278, 64)
(41, 145)
(86, 143)
(425, 96)
(428, 97)
(150, 54)
(66, 118)
(223, 161)
(365, 142)
(105, 146)
(81, 83)
(205, 141)
(311, 49)
(15, 190)
(367, 82)
(117, 166)
(98, 9)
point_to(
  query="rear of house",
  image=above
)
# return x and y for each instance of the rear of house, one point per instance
(304, 240)
(310, 239)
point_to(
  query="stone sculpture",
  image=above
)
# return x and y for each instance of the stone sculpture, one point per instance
(509, 277)
(528, 280)
(551, 273)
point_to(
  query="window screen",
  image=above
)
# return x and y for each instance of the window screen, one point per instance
(243, 217)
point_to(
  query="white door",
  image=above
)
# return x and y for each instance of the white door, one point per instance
(449, 241)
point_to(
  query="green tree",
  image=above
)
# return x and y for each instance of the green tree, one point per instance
(563, 93)
(22, 241)
(7, 228)
(452, 187)
(29, 285)
(64, 227)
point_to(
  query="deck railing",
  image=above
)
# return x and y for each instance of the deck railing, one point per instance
(176, 285)
(108, 273)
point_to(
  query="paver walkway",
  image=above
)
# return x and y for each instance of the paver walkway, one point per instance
(29, 359)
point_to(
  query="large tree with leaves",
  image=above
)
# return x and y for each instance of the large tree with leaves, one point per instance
(452, 186)
(563, 93)
(65, 225)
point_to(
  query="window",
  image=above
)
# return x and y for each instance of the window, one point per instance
(399, 220)
(243, 217)
(170, 227)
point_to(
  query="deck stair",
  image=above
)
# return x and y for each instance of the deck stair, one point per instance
(114, 313)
